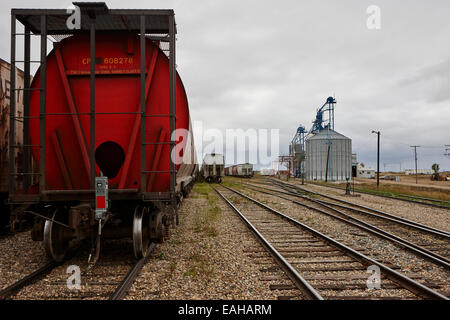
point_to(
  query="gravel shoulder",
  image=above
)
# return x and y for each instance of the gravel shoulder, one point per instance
(19, 256)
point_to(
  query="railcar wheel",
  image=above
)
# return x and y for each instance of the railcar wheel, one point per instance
(156, 226)
(55, 242)
(141, 231)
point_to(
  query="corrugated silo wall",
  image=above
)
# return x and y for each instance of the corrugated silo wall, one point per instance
(313, 157)
(340, 159)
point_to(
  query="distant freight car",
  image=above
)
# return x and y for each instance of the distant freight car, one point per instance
(213, 167)
(267, 172)
(240, 170)
(17, 149)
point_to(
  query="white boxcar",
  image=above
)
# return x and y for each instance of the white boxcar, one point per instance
(213, 167)
(240, 170)
(267, 172)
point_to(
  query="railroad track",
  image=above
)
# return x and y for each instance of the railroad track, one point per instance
(100, 281)
(361, 208)
(122, 289)
(27, 280)
(321, 267)
(368, 211)
(424, 241)
(402, 197)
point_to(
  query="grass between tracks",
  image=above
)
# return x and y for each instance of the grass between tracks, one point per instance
(205, 221)
(206, 217)
(237, 184)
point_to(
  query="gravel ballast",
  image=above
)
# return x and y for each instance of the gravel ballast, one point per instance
(19, 256)
(210, 255)
(209, 258)
(376, 248)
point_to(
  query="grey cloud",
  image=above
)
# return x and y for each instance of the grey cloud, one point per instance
(433, 80)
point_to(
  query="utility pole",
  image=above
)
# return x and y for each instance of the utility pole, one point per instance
(378, 157)
(415, 157)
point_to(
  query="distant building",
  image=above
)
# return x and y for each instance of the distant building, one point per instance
(363, 172)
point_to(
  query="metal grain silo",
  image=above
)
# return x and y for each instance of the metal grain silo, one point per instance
(340, 156)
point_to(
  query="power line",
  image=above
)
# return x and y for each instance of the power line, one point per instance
(396, 141)
(432, 147)
(408, 144)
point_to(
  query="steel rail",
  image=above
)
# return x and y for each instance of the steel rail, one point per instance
(35, 275)
(406, 282)
(122, 289)
(27, 280)
(397, 198)
(424, 198)
(398, 195)
(414, 248)
(120, 292)
(377, 213)
(401, 222)
(293, 274)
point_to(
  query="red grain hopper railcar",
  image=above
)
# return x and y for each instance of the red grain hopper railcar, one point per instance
(144, 196)
(117, 92)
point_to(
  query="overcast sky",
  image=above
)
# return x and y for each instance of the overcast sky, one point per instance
(271, 64)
